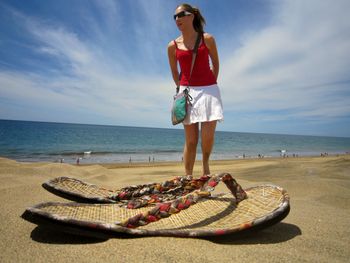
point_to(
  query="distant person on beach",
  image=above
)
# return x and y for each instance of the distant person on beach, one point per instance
(206, 108)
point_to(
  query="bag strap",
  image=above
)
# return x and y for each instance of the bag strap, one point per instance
(194, 55)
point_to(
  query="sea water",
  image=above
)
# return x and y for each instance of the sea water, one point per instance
(56, 142)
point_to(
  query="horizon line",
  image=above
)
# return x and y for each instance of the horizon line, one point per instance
(174, 128)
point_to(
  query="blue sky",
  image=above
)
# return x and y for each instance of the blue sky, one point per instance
(285, 64)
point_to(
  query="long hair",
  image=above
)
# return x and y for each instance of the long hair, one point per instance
(198, 21)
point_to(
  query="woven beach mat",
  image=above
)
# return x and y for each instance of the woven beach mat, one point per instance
(207, 215)
(77, 190)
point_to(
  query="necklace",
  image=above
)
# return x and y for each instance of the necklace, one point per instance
(189, 45)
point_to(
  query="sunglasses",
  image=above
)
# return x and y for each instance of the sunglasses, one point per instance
(181, 14)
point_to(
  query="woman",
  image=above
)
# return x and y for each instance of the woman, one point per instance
(206, 108)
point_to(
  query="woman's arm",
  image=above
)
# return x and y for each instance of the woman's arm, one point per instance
(173, 62)
(213, 53)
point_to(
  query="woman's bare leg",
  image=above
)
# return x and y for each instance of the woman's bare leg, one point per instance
(207, 138)
(190, 149)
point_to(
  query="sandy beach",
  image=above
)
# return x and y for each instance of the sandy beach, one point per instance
(316, 230)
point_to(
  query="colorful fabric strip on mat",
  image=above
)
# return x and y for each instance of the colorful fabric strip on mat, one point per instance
(188, 192)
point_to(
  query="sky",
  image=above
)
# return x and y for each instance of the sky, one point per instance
(284, 64)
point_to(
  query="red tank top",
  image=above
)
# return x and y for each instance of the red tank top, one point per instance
(201, 73)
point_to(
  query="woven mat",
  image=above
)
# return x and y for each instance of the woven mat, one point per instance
(213, 216)
(75, 189)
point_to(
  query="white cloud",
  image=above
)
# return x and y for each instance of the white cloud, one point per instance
(91, 82)
(299, 64)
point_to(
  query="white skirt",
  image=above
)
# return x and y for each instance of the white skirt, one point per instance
(206, 104)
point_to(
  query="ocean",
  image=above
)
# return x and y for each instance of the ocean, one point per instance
(55, 142)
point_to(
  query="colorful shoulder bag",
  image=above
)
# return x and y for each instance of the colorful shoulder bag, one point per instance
(183, 100)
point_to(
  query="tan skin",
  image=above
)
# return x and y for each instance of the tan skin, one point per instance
(186, 41)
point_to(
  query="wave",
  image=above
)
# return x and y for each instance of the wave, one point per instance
(94, 153)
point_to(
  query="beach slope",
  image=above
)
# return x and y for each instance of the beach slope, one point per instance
(316, 230)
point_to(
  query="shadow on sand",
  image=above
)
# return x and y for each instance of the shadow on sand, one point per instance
(278, 233)
(50, 236)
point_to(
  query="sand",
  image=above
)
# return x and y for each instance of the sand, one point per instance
(316, 230)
